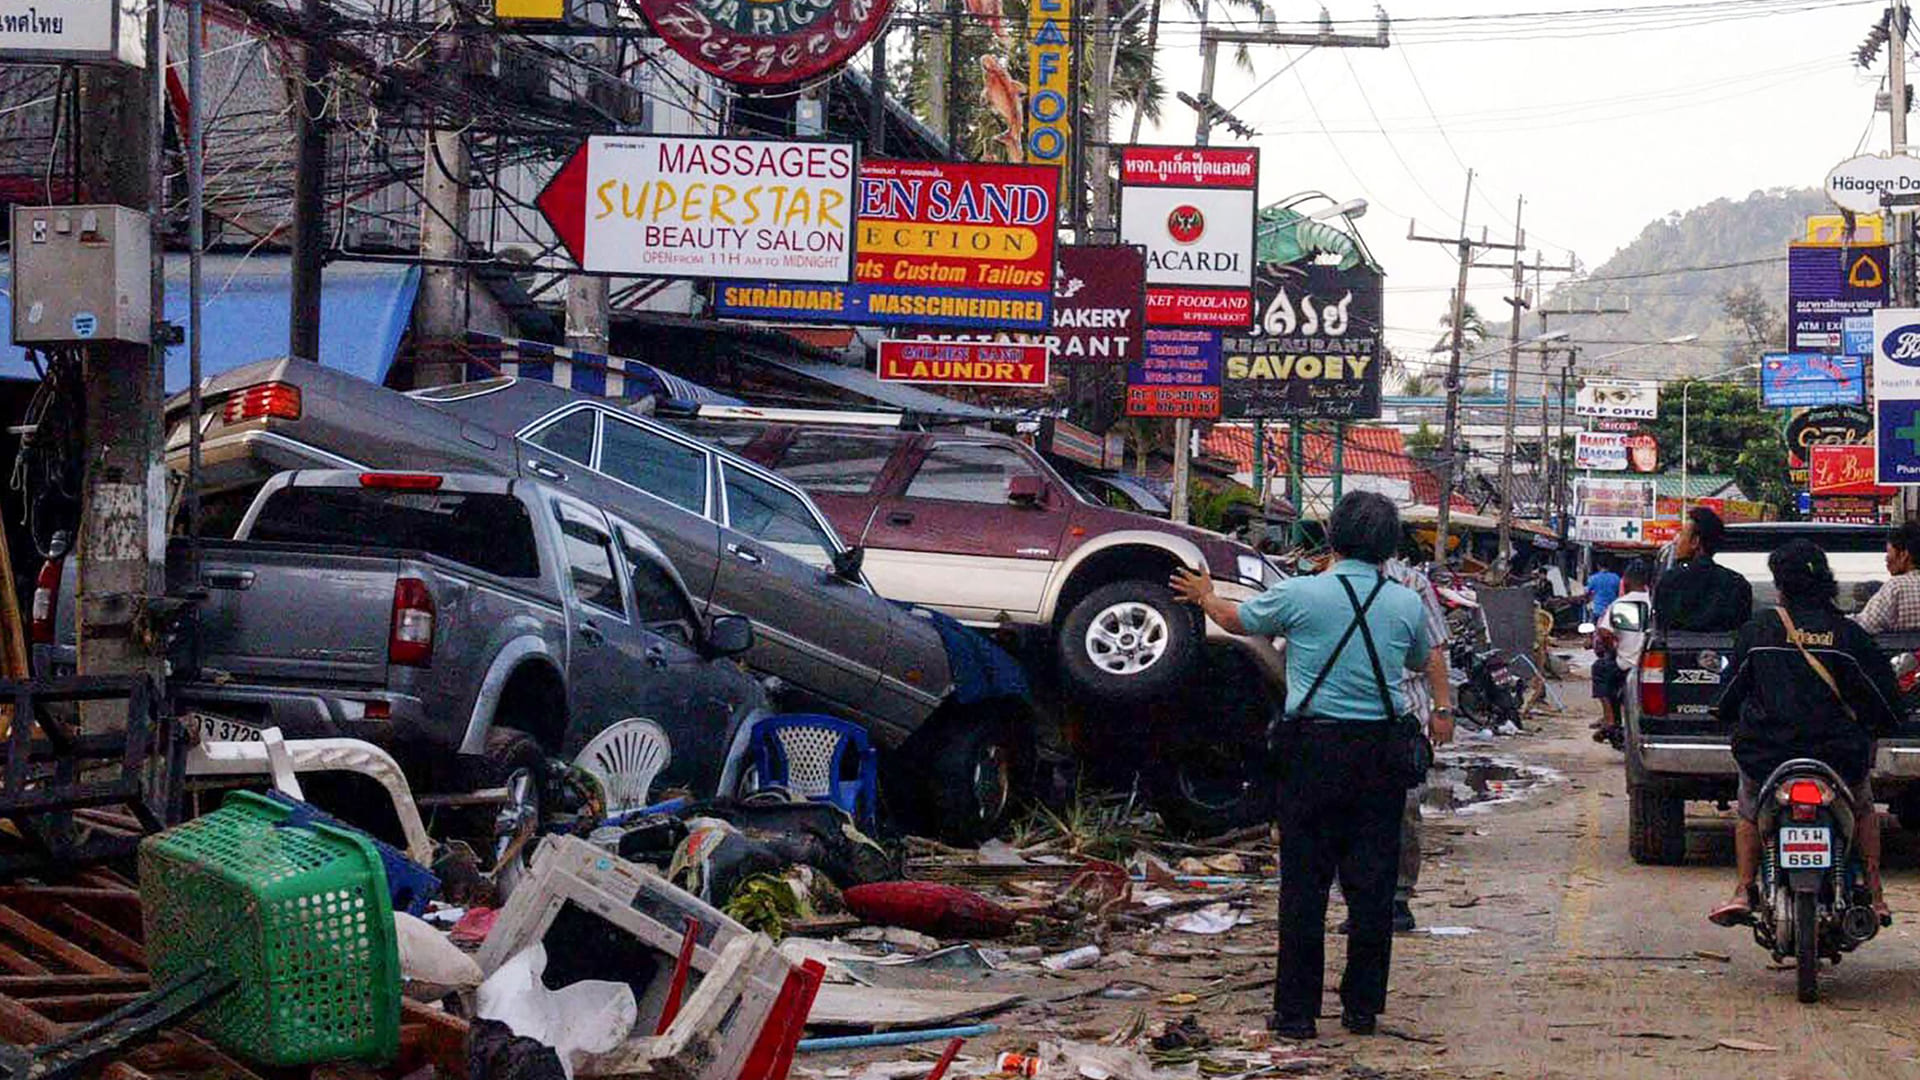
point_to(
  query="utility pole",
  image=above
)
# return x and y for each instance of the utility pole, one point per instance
(122, 551)
(1465, 251)
(1556, 477)
(1208, 113)
(1520, 303)
(309, 191)
(933, 59)
(588, 325)
(1897, 128)
(443, 225)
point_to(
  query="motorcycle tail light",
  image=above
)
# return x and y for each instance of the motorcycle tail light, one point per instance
(1653, 683)
(1807, 793)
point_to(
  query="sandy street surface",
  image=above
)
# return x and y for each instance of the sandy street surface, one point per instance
(1577, 964)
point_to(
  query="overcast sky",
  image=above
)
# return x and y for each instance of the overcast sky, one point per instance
(1603, 120)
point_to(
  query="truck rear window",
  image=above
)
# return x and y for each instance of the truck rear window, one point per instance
(491, 533)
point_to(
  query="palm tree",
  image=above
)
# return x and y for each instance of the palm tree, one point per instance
(1473, 330)
(1417, 384)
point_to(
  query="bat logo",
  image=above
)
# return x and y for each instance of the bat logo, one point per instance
(1186, 223)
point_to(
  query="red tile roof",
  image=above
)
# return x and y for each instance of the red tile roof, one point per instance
(1426, 491)
(1370, 451)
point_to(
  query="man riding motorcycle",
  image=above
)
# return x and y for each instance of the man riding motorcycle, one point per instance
(1805, 682)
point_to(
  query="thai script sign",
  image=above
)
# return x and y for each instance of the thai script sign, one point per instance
(1192, 208)
(1314, 351)
(90, 31)
(1826, 285)
(1791, 379)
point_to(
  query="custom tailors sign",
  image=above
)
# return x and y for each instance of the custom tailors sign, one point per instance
(764, 42)
(1192, 208)
(939, 244)
(675, 206)
(1314, 351)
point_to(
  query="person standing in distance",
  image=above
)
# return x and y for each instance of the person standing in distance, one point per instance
(1344, 754)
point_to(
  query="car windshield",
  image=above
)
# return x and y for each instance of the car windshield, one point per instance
(1858, 558)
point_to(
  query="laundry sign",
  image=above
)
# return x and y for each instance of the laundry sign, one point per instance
(963, 363)
(1314, 350)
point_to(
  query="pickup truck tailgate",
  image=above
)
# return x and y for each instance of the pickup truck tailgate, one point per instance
(293, 614)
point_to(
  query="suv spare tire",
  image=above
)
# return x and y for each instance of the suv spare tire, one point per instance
(1130, 641)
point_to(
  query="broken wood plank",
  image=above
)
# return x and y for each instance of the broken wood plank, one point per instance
(53, 944)
(105, 937)
(24, 1027)
(76, 893)
(81, 1008)
(20, 963)
(430, 1036)
(182, 1051)
(881, 1009)
(31, 986)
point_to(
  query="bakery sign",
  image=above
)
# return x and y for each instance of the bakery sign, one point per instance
(764, 42)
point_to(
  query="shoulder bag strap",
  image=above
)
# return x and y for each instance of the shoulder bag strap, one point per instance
(1359, 623)
(1820, 669)
(1388, 712)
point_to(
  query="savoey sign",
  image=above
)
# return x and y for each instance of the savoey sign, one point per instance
(96, 31)
(674, 206)
(1857, 183)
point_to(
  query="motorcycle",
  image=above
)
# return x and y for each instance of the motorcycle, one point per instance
(1814, 899)
(1486, 691)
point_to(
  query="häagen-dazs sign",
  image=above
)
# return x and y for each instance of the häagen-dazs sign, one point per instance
(765, 42)
(90, 31)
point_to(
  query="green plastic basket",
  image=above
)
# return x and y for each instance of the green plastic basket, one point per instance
(299, 915)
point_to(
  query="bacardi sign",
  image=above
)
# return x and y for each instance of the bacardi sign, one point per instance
(1192, 209)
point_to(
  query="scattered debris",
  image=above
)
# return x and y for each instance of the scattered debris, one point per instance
(1746, 1046)
(1073, 959)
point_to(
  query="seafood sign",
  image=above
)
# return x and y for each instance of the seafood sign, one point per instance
(939, 244)
(765, 42)
(1049, 65)
(87, 30)
(671, 206)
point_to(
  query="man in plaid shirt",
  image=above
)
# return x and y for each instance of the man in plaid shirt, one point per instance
(1897, 605)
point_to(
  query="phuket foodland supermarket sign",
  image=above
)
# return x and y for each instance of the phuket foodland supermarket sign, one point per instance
(678, 206)
(765, 42)
(939, 244)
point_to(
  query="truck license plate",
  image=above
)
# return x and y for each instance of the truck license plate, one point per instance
(225, 729)
(1805, 848)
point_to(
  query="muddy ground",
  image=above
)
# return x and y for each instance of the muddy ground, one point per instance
(1558, 957)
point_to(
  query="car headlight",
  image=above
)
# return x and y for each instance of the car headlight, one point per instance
(1255, 571)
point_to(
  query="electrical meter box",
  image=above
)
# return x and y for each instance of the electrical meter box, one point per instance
(81, 274)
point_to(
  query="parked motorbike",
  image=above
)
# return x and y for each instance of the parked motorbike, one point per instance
(1813, 900)
(1487, 692)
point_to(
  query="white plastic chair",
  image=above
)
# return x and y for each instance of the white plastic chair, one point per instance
(626, 758)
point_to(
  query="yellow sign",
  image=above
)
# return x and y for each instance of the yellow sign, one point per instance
(1049, 80)
(529, 9)
(1830, 230)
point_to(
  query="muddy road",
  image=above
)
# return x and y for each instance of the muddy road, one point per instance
(1543, 951)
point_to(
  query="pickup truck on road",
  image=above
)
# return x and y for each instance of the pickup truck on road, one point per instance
(1677, 751)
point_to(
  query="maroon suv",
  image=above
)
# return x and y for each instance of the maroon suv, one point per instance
(981, 527)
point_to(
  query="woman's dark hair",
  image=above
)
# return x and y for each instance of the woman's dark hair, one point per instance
(1636, 573)
(1708, 529)
(1365, 525)
(1801, 573)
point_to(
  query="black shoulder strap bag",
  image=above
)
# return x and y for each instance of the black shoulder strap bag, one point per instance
(1411, 752)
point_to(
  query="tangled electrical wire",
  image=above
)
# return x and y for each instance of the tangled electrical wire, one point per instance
(48, 470)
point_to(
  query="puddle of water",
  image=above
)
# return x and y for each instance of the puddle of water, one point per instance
(1475, 783)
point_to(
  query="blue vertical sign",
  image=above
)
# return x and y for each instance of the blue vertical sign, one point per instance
(1826, 285)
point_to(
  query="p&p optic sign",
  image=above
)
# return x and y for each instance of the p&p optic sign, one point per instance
(765, 42)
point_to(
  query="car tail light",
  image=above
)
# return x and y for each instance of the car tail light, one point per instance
(379, 710)
(391, 481)
(1653, 683)
(262, 401)
(410, 641)
(46, 593)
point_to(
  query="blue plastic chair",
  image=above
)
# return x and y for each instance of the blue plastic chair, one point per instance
(805, 755)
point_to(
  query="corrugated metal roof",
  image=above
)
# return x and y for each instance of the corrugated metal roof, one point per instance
(1371, 451)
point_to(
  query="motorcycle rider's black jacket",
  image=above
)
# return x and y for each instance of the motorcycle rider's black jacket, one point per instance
(1780, 708)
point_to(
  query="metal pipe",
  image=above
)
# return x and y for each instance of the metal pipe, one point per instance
(196, 254)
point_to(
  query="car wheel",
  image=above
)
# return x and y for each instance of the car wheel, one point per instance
(1216, 786)
(1656, 827)
(513, 760)
(1129, 641)
(973, 782)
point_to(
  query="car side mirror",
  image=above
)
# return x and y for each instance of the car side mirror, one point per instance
(729, 635)
(1026, 490)
(847, 564)
(1629, 616)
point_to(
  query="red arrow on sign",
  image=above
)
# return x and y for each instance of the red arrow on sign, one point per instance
(564, 204)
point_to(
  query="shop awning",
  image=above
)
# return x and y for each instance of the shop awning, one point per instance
(365, 309)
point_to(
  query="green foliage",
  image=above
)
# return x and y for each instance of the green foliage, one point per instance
(1729, 433)
(1210, 506)
(1424, 443)
(767, 904)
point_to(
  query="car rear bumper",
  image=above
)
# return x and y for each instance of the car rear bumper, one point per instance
(1670, 756)
(310, 713)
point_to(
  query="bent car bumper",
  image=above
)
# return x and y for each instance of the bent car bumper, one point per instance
(304, 713)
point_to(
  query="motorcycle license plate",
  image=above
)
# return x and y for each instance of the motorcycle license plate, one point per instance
(1805, 848)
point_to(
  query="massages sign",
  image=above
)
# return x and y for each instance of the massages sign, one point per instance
(765, 42)
(676, 206)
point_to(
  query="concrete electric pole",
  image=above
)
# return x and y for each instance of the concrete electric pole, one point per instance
(1465, 251)
(1520, 303)
(309, 190)
(1207, 114)
(442, 314)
